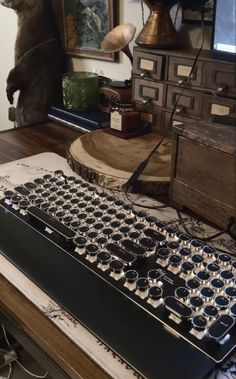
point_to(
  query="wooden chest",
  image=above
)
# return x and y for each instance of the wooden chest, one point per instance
(203, 175)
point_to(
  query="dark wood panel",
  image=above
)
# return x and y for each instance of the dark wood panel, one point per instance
(207, 170)
(217, 212)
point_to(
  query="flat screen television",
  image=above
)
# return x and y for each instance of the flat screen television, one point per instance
(224, 30)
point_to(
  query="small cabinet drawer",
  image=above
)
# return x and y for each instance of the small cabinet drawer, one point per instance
(148, 65)
(149, 93)
(180, 68)
(152, 117)
(217, 106)
(176, 120)
(220, 77)
(189, 103)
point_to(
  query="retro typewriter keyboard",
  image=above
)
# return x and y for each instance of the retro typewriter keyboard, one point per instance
(182, 282)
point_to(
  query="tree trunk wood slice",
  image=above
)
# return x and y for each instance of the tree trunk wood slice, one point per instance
(108, 161)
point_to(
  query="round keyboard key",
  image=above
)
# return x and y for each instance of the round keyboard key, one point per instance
(139, 226)
(92, 235)
(184, 239)
(182, 293)
(129, 221)
(175, 260)
(115, 225)
(206, 293)
(116, 237)
(44, 206)
(231, 293)
(203, 276)
(199, 323)
(102, 241)
(107, 232)
(103, 207)
(120, 216)
(24, 204)
(173, 246)
(171, 231)
(196, 302)
(163, 253)
(147, 243)
(116, 266)
(217, 284)
(193, 285)
(89, 210)
(197, 260)
(154, 275)
(111, 211)
(161, 226)
(134, 236)
(221, 302)
(142, 284)
(213, 268)
(90, 221)
(208, 251)
(75, 225)
(16, 199)
(84, 229)
(98, 226)
(187, 268)
(38, 202)
(81, 216)
(80, 242)
(155, 293)
(233, 310)
(224, 259)
(185, 252)
(131, 276)
(103, 258)
(125, 230)
(59, 214)
(91, 249)
(106, 220)
(67, 220)
(227, 276)
(39, 181)
(196, 245)
(210, 311)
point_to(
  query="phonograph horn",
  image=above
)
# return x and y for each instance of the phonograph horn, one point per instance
(118, 39)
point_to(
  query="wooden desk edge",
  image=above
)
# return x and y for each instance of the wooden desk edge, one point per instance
(47, 336)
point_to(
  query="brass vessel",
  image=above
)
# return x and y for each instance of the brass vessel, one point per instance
(159, 31)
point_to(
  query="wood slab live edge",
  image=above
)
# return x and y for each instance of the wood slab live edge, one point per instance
(21, 143)
(109, 161)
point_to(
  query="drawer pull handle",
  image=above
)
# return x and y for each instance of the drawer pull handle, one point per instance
(144, 74)
(146, 101)
(220, 90)
(179, 110)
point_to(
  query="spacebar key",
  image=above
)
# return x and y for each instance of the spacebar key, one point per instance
(51, 222)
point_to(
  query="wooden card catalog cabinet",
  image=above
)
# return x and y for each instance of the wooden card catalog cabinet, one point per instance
(203, 175)
(158, 79)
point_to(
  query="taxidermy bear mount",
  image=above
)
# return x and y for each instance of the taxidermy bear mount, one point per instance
(39, 61)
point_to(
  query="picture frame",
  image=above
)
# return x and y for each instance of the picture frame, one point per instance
(194, 17)
(84, 24)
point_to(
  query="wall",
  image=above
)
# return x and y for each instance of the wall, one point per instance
(130, 11)
(8, 27)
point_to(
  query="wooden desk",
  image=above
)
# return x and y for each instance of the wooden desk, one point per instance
(45, 342)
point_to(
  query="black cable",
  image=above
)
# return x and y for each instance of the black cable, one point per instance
(146, 206)
(134, 177)
(181, 221)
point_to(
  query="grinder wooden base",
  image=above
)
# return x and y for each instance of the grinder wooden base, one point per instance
(108, 161)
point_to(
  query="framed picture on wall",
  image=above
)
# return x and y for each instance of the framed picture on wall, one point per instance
(84, 25)
(194, 17)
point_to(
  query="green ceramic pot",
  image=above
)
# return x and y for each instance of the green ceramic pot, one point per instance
(80, 90)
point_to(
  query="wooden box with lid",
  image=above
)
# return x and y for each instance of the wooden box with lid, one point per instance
(159, 77)
(203, 175)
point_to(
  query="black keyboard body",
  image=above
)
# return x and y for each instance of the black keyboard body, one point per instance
(149, 323)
